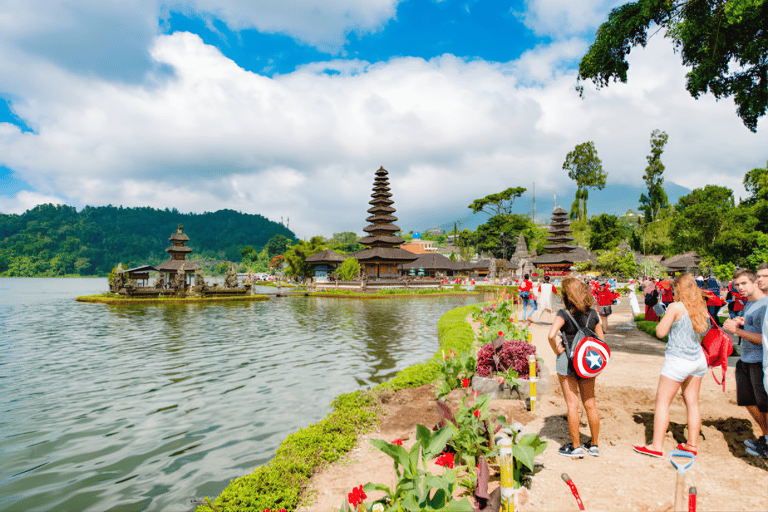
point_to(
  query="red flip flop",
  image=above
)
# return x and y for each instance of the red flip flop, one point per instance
(686, 448)
(646, 451)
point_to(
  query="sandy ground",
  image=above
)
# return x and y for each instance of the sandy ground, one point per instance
(726, 477)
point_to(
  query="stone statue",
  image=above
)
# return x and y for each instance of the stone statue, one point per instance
(230, 279)
(492, 268)
(159, 281)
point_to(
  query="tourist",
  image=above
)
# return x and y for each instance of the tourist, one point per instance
(736, 301)
(534, 300)
(651, 299)
(684, 364)
(578, 301)
(633, 304)
(750, 388)
(605, 298)
(547, 292)
(525, 293)
(762, 277)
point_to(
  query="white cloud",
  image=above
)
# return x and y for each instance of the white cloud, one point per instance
(560, 19)
(321, 23)
(25, 200)
(305, 145)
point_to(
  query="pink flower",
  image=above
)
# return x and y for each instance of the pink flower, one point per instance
(465, 383)
(356, 496)
(445, 460)
(477, 413)
(476, 393)
(398, 442)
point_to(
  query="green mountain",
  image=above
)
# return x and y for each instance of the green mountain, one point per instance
(54, 240)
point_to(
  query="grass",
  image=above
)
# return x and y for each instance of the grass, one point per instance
(115, 299)
(282, 482)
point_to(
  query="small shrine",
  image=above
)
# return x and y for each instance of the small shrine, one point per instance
(562, 252)
(520, 262)
(383, 255)
(178, 267)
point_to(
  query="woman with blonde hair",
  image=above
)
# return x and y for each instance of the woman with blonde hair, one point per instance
(578, 301)
(685, 321)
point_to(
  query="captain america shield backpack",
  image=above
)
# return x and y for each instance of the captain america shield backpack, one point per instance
(589, 354)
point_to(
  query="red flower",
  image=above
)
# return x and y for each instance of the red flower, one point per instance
(356, 496)
(477, 413)
(465, 383)
(446, 460)
(501, 333)
(476, 393)
(398, 442)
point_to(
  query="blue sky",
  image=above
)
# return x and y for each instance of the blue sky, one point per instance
(287, 108)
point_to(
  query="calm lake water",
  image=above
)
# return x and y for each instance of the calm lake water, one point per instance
(147, 407)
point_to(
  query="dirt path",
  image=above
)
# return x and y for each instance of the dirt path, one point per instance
(726, 477)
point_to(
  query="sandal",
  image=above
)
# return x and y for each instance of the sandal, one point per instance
(687, 448)
(648, 451)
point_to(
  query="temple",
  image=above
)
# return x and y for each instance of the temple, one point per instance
(178, 252)
(383, 255)
(562, 252)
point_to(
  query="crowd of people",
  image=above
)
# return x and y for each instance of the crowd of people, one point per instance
(686, 309)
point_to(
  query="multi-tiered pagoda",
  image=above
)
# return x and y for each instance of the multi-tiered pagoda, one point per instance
(562, 253)
(383, 255)
(178, 252)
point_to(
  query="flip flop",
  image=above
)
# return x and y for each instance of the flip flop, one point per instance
(686, 448)
(646, 451)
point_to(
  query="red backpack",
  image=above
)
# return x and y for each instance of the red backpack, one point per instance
(717, 346)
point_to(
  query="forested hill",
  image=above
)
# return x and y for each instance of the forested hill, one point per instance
(52, 240)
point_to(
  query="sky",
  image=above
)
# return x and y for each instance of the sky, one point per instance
(286, 108)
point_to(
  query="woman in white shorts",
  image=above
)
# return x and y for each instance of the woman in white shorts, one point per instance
(685, 321)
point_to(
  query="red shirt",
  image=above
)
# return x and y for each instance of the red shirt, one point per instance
(526, 286)
(605, 297)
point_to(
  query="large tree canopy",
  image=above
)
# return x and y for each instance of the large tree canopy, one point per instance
(724, 42)
(656, 199)
(497, 204)
(586, 169)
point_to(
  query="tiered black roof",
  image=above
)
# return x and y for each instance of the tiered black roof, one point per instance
(383, 244)
(178, 252)
(561, 248)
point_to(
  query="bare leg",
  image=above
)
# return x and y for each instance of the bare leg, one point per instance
(587, 389)
(664, 394)
(691, 387)
(760, 418)
(604, 321)
(570, 392)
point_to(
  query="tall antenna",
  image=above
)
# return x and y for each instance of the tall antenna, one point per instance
(534, 203)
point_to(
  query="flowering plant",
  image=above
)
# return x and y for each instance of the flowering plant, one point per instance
(455, 370)
(417, 488)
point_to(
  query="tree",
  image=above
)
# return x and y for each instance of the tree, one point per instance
(498, 232)
(348, 270)
(299, 252)
(278, 244)
(497, 204)
(656, 199)
(723, 42)
(700, 218)
(586, 169)
(345, 242)
(606, 232)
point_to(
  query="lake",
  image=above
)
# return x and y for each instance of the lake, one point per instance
(146, 407)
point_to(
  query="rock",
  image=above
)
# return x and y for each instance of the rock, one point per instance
(497, 390)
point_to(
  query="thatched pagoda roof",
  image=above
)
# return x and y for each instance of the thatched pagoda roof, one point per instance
(174, 266)
(431, 261)
(682, 261)
(325, 256)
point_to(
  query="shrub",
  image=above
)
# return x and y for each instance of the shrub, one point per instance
(512, 355)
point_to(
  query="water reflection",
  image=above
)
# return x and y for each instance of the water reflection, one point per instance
(146, 407)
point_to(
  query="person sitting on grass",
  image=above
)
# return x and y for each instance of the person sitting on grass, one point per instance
(578, 300)
(685, 321)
